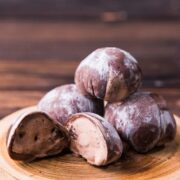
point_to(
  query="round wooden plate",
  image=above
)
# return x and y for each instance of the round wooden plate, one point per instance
(162, 162)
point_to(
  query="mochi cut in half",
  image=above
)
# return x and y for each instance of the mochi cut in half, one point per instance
(93, 138)
(35, 135)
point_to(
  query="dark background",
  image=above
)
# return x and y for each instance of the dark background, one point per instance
(42, 42)
(82, 9)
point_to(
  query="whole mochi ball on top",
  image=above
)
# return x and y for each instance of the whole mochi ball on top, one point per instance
(110, 73)
(66, 100)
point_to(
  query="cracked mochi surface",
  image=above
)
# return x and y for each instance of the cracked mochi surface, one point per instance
(110, 73)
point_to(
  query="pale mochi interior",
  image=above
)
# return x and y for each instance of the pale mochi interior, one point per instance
(89, 141)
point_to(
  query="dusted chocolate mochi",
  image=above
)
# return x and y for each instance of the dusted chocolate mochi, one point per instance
(66, 100)
(108, 73)
(93, 138)
(143, 120)
(168, 123)
(34, 135)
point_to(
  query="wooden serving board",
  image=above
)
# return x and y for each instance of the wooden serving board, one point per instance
(161, 163)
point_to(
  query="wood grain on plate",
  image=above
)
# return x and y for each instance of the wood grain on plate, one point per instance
(162, 163)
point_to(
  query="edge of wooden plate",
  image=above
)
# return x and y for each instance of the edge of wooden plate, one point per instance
(10, 169)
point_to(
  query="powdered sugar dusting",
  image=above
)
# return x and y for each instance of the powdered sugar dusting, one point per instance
(124, 120)
(108, 73)
(137, 110)
(166, 120)
(64, 101)
(100, 58)
(67, 97)
(129, 56)
(97, 60)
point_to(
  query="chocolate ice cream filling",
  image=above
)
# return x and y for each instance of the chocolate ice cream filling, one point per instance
(37, 136)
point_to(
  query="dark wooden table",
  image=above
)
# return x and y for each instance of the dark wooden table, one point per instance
(36, 56)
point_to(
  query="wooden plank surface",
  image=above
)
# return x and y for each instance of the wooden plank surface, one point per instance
(37, 56)
(155, 44)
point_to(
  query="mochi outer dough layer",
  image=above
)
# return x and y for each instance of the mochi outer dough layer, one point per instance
(65, 100)
(143, 120)
(94, 139)
(108, 73)
(35, 135)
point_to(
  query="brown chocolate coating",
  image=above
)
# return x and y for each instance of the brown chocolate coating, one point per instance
(89, 136)
(168, 123)
(143, 120)
(66, 100)
(35, 135)
(108, 73)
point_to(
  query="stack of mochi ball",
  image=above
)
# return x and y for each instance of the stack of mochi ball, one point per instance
(96, 116)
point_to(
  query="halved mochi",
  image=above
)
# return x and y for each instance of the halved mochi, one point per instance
(93, 138)
(35, 135)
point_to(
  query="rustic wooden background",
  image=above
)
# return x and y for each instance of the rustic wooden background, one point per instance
(42, 42)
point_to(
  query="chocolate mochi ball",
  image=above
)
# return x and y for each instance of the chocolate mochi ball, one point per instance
(66, 100)
(35, 135)
(143, 120)
(110, 73)
(93, 138)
